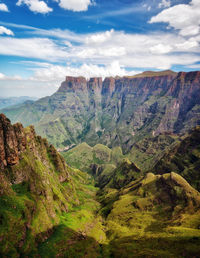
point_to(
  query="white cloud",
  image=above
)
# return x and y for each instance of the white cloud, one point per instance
(36, 6)
(150, 51)
(194, 66)
(189, 44)
(75, 5)
(3, 7)
(4, 30)
(40, 48)
(99, 37)
(160, 49)
(10, 78)
(47, 78)
(183, 17)
(164, 4)
(57, 73)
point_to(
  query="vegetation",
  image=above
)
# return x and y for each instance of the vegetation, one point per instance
(83, 156)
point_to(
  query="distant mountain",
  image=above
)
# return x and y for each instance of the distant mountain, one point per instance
(116, 111)
(7, 102)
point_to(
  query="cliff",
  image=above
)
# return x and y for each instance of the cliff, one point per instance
(32, 196)
(115, 111)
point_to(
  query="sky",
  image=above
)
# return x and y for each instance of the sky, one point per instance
(42, 41)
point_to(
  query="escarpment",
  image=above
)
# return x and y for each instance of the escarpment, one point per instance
(116, 111)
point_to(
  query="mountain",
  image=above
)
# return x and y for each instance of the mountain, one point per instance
(48, 209)
(7, 102)
(116, 111)
(149, 150)
(38, 196)
(183, 158)
(84, 156)
(154, 216)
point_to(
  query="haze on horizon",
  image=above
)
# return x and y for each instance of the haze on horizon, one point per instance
(43, 41)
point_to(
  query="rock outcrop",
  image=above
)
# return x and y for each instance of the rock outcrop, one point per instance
(8, 143)
(32, 195)
(115, 111)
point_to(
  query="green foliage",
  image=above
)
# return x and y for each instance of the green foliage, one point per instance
(183, 158)
(83, 156)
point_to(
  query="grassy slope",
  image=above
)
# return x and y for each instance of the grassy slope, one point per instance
(151, 217)
(82, 156)
(119, 223)
(148, 151)
(80, 231)
(183, 158)
(140, 226)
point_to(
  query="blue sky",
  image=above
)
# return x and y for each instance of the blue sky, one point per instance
(43, 41)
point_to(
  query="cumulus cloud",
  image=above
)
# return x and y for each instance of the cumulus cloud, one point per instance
(58, 73)
(36, 6)
(48, 77)
(151, 51)
(164, 4)
(183, 17)
(75, 5)
(3, 7)
(4, 30)
(99, 37)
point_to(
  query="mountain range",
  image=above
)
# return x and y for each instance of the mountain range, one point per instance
(7, 102)
(49, 209)
(115, 111)
(117, 174)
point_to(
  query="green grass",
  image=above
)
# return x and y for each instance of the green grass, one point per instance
(83, 155)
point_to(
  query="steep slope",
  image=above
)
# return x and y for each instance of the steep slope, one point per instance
(154, 216)
(116, 111)
(39, 195)
(48, 209)
(183, 158)
(116, 176)
(84, 156)
(149, 150)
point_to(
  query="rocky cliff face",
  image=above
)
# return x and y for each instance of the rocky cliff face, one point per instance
(116, 111)
(32, 196)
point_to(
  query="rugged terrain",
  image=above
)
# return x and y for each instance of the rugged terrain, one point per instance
(38, 196)
(183, 158)
(48, 209)
(115, 111)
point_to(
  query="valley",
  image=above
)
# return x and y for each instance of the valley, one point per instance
(116, 209)
(100, 129)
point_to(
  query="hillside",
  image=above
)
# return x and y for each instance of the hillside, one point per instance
(183, 158)
(149, 150)
(42, 200)
(48, 209)
(84, 156)
(116, 111)
(154, 216)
